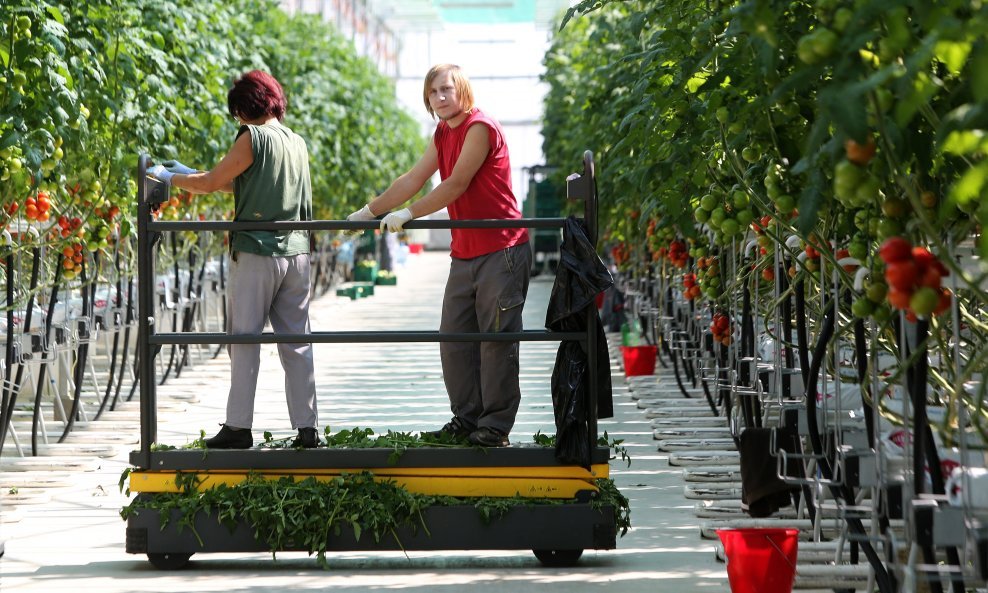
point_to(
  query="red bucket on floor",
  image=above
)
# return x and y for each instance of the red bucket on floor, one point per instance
(760, 560)
(638, 360)
(415, 247)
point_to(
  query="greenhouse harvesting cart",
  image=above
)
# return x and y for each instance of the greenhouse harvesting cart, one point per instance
(557, 533)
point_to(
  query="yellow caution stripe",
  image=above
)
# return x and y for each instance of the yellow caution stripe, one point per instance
(438, 485)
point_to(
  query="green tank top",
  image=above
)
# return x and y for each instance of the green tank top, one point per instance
(275, 187)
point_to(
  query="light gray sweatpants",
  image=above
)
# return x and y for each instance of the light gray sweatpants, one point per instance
(486, 293)
(260, 289)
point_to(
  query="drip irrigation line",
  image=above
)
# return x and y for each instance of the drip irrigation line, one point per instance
(43, 368)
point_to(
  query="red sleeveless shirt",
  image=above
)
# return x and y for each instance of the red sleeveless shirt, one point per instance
(489, 194)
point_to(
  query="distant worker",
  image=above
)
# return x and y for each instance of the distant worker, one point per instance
(488, 277)
(267, 169)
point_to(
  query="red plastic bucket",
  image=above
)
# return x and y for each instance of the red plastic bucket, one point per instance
(760, 560)
(638, 360)
(415, 247)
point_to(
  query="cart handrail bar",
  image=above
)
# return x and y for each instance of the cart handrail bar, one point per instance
(365, 337)
(352, 225)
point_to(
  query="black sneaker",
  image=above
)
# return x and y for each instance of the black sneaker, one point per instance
(231, 438)
(455, 428)
(486, 436)
(307, 438)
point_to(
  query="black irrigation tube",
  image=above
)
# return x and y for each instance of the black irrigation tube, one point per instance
(116, 338)
(882, 577)
(924, 447)
(750, 405)
(52, 302)
(6, 406)
(15, 386)
(128, 322)
(176, 295)
(193, 297)
(219, 347)
(79, 372)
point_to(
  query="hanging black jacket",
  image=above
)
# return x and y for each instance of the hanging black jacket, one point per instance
(580, 277)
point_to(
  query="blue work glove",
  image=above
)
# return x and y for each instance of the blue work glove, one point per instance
(160, 172)
(179, 168)
(394, 221)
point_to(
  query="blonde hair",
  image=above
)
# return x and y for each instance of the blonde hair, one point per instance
(461, 83)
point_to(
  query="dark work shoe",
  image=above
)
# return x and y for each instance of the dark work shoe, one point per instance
(231, 438)
(455, 428)
(307, 438)
(486, 436)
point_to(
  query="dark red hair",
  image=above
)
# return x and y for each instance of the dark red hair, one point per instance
(256, 94)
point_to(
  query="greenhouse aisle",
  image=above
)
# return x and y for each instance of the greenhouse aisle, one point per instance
(76, 537)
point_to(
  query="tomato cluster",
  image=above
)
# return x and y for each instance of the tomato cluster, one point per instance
(691, 288)
(621, 253)
(914, 276)
(720, 326)
(37, 207)
(72, 260)
(677, 253)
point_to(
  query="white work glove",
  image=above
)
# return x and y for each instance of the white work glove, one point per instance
(179, 168)
(361, 215)
(395, 220)
(160, 172)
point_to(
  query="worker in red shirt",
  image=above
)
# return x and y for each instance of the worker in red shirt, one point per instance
(488, 277)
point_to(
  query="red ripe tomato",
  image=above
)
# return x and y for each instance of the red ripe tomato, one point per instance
(899, 299)
(901, 275)
(895, 249)
(768, 274)
(12, 208)
(922, 257)
(860, 154)
(944, 302)
(929, 277)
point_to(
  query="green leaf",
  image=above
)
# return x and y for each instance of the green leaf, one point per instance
(56, 14)
(972, 186)
(953, 54)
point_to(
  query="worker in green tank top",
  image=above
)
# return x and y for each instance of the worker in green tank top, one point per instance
(267, 170)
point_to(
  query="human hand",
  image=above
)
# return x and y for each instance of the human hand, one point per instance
(179, 168)
(364, 214)
(160, 172)
(394, 221)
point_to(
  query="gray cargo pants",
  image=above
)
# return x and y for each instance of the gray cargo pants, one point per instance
(260, 289)
(487, 294)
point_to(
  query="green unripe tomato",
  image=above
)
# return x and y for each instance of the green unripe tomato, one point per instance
(862, 307)
(785, 204)
(730, 227)
(877, 291)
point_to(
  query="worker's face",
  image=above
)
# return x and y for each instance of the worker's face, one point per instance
(443, 98)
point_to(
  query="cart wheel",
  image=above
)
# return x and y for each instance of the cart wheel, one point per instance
(558, 558)
(169, 561)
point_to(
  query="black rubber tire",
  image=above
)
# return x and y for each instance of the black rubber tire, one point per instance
(169, 561)
(558, 558)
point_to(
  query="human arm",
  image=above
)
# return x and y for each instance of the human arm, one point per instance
(220, 178)
(472, 156)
